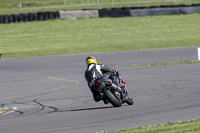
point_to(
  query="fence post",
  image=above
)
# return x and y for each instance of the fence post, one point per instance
(137, 3)
(65, 3)
(113, 2)
(43, 5)
(19, 5)
(198, 53)
(97, 2)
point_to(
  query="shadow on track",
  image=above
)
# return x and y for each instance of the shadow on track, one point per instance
(86, 109)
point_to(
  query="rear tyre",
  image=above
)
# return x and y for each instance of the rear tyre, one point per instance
(114, 100)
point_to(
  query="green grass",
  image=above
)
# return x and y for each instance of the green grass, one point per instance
(163, 64)
(57, 37)
(192, 126)
(46, 5)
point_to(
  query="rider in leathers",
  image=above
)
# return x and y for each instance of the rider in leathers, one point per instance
(95, 70)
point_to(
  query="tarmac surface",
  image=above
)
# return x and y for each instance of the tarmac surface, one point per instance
(50, 95)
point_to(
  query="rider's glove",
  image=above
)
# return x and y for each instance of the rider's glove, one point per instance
(115, 72)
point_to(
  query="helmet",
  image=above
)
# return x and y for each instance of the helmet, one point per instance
(91, 60)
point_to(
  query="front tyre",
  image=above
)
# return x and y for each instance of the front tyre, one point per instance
(112, 98)
(129, 100)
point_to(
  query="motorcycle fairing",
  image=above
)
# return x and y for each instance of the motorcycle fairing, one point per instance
(104, 79)
(101, 81)
(121, 81)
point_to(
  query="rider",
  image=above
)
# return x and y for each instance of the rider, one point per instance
(95, 70)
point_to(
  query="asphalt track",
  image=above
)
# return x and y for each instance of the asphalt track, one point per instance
(49, 94)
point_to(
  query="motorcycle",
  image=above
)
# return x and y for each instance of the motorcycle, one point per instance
(114, 94)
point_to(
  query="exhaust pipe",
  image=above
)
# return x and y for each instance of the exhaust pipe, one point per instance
(117, 88)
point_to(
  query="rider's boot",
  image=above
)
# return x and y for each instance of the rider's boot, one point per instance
(124, 92)
(101, 97)
(98, 98)
(122, 86)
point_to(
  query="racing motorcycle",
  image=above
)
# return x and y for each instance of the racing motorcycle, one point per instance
(114, 94)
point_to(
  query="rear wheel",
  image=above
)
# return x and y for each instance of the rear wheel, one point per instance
(112, 98)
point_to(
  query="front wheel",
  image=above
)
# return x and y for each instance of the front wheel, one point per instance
(112, 98)
(129, 100)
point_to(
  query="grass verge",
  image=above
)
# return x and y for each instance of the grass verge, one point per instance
(163, 64)
(57, 37)
(28, 6)
(192, 126)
